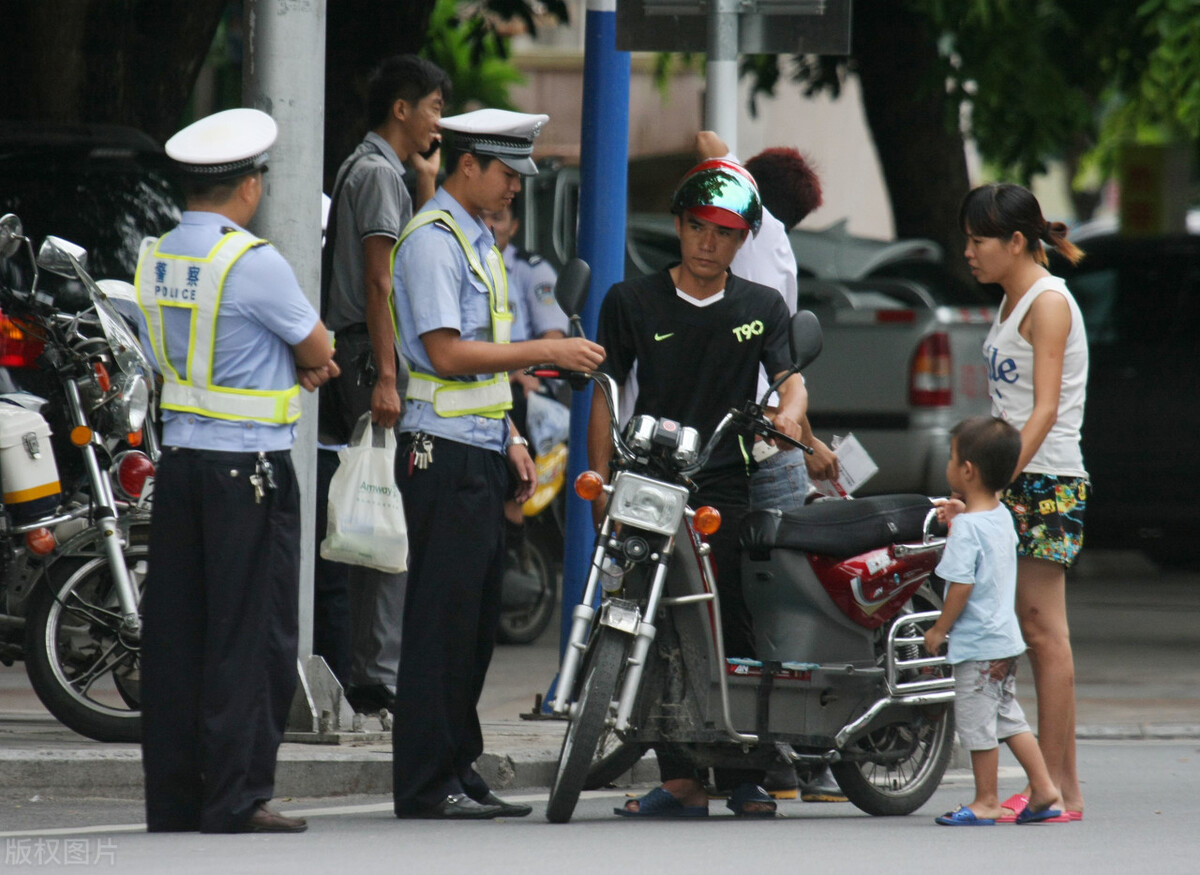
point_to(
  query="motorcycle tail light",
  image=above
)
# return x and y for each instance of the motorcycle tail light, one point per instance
(17, 349)
(102, 378)
(41, 542)
(707, 520)
(929, 374)
(81, 435)
(589, 485)
(131, 470)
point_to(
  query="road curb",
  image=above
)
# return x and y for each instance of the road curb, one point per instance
(327, 771)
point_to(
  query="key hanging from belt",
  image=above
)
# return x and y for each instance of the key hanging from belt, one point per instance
(263, 478)
(420, 455)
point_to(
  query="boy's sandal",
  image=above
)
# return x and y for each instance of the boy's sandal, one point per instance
(963, 816)
(1046, 815)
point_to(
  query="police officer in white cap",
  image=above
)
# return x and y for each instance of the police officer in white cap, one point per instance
(458, 449)
(234, 339)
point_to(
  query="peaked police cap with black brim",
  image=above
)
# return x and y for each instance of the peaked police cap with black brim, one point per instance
(499, 133)
(224, 145)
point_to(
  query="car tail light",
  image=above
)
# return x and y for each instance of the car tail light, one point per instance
(17, 349)
(929, 375)
(131, 470)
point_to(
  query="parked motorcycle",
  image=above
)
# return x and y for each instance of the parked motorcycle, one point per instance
(74, 523)
(840, 596)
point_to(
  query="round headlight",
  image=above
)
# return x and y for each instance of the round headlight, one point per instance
(131, 405)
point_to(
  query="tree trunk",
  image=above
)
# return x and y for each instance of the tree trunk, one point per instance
(913, 123)
(358, 35)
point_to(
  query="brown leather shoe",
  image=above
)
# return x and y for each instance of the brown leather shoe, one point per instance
(265, 819)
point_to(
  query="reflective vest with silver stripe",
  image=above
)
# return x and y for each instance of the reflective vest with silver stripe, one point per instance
(194, 285)
(491, 395)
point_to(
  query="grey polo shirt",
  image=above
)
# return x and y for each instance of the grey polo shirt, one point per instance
(373, 202)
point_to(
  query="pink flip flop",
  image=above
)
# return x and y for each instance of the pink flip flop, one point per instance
(1075, 815)
(1016, 803)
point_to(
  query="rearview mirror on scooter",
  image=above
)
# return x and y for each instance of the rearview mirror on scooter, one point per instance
(806, 339)
(571, 291)
(11, 235)
(60, 256)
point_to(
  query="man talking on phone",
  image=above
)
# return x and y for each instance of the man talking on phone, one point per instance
(370, 207)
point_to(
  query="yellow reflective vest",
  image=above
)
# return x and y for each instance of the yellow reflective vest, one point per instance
(491, 395)
(194, 285)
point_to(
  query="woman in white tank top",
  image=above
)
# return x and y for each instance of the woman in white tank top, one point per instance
(1036, 355)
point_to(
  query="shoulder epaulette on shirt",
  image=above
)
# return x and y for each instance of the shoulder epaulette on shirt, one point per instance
(226, 229)
(531, 257)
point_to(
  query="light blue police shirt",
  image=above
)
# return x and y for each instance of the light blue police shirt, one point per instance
(263, 314)
(981, 550)
(531, 291)
(445, 293)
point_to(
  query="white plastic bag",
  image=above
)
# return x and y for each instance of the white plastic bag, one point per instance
(366, 516)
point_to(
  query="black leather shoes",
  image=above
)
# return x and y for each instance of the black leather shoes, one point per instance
(371, 699)
(265, 820)
(507, 809)
(459, 806)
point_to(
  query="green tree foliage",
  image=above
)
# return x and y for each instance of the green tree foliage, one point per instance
(1040, 80)
(1163, 104)
(473, 54)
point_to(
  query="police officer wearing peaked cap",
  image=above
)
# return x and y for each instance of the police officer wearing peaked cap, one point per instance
(234, 339)
(457, 447)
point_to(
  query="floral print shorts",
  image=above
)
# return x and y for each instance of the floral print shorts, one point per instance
(1048, 511)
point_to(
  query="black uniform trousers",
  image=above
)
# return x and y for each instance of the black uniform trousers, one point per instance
(220, 638)
(455, 511)
(729, 492)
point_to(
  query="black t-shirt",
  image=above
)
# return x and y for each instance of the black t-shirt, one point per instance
(694, 363)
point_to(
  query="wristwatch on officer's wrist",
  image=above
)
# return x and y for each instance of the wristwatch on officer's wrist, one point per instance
(517, 441)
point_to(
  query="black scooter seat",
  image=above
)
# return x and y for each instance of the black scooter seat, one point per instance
(836, 528)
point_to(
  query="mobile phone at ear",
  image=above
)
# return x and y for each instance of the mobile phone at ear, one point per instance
(433, 147)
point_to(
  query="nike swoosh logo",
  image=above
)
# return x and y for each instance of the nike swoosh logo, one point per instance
(664, 336)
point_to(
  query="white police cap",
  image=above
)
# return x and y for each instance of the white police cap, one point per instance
(497, 132)
(224, 145)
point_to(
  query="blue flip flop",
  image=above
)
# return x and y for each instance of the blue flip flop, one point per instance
(963, 816)
(750, 794)
(1046, 815)
(659, 803)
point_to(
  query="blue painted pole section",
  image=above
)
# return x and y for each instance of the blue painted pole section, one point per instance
(604, 156)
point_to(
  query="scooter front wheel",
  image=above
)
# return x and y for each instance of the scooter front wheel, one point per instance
(589, 716)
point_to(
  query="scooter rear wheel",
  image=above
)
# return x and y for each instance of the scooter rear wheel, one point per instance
(83, 666)
(903, 763)
(589, 715)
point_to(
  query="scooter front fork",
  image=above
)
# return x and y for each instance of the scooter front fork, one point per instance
(581, 623)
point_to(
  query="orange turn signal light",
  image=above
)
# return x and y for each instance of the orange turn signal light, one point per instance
(41, 542)
(707, 520)
(134, 438)
(589, 486)
(102, 378)
(81, 435)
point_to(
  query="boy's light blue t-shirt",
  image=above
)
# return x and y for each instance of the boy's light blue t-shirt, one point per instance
(982, 551)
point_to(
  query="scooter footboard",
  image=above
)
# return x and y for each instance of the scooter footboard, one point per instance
(804, 704)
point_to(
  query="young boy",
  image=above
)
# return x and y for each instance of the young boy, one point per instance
(980, 570)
